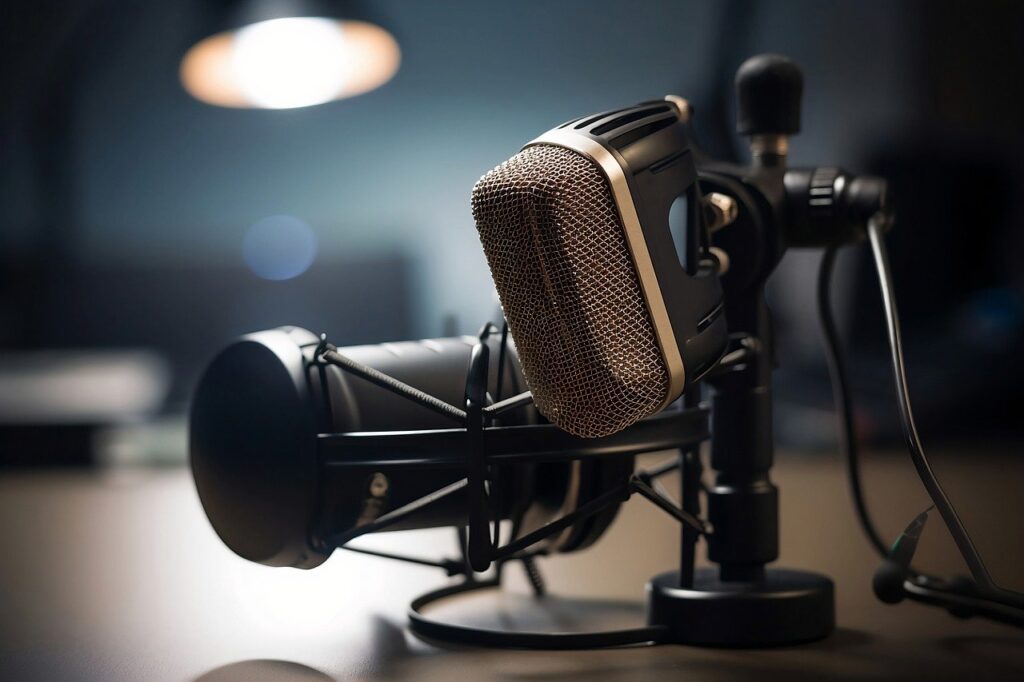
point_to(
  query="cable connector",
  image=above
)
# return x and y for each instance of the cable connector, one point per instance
(830, 207)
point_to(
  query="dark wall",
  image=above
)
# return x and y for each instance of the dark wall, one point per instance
(110, 168)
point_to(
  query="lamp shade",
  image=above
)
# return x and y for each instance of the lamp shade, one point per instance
(281, 55)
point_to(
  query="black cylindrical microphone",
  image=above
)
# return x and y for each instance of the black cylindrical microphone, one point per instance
(264, 405)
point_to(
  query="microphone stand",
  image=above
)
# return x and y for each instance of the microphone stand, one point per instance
(742, 601)
(473, 448)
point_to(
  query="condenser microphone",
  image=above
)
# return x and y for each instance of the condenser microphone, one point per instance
(610, 321)
(267, 410)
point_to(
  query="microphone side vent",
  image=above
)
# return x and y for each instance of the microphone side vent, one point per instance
(630, 118)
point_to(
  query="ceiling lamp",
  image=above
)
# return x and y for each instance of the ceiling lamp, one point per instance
(286, 54)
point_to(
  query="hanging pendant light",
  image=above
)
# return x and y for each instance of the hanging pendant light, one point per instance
(283, 54)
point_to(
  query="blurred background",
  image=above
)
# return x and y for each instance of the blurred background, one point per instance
(144, 223)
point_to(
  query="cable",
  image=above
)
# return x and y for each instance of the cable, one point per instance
(990, 600)
(924, 471)
(841, 397)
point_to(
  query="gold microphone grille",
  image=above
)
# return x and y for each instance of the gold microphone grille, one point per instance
(569, 289)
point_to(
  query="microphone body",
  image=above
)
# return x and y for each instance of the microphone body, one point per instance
(255, 423)
(610, 322)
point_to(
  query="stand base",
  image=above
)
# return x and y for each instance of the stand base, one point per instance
(788, 607)
(504, 636)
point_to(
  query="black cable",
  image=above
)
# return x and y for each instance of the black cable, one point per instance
(991, 601)
(843, 405)
(921, 590)
(924, 470)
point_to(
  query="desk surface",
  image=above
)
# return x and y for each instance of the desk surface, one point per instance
(119, 576)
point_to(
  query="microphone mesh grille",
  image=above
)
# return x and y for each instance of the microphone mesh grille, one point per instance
(569, 289)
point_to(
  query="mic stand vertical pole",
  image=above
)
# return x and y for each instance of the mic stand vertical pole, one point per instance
(690, 471)
(741, 602)
(743, 503)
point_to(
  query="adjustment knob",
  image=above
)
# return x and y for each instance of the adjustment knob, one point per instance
(768, 92)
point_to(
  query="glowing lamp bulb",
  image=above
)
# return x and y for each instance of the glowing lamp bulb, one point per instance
(290, 62)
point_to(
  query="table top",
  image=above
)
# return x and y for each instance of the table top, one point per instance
(117, 575)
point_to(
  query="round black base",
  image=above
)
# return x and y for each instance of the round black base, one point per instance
(434, 630)
(788, 607)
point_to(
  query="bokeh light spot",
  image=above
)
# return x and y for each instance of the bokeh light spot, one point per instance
(279, 247)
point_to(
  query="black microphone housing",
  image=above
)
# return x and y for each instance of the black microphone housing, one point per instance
(261, 410)
(614, 316)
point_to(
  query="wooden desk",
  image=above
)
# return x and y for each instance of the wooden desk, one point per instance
(118, 576)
